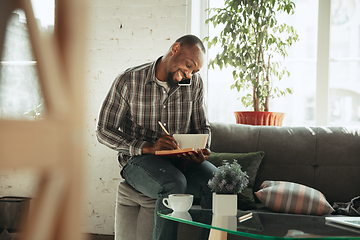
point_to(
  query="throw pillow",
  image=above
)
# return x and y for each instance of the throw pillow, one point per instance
(288, 197)
(250, 163)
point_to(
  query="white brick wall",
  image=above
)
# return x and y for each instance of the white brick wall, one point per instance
(122, 33)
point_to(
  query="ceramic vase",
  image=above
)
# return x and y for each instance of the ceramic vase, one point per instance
(224, 204)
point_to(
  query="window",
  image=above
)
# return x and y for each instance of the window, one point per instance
(328, 95)
(19, 86)
(344, 71)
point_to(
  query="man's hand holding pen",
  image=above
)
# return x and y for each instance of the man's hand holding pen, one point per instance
(165, 142)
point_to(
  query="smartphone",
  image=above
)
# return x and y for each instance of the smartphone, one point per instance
(185, 82)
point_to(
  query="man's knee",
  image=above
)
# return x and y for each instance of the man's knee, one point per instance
(177, 184)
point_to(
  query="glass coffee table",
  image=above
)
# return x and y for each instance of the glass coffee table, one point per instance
(264, 225)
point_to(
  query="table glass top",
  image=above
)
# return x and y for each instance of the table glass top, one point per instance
(266, 225)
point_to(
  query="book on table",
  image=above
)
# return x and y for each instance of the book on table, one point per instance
(187, 143)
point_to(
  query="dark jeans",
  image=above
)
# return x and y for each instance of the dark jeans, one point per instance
(158, 177)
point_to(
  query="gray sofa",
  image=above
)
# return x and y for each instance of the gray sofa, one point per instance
(324, 158)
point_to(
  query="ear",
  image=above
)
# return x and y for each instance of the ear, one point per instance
(175, 48)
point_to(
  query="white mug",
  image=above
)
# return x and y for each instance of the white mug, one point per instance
(179, 202)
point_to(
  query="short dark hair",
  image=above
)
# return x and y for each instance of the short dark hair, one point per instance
(191, 40)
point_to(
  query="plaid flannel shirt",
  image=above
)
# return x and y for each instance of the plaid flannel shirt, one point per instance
(135, 103)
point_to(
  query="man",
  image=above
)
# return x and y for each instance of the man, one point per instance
(138, 99)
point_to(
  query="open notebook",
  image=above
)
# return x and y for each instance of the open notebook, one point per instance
(187, 143)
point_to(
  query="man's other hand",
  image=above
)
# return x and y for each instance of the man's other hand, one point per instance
(198, 157)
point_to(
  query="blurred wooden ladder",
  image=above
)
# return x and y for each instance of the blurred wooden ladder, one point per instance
(53, 146)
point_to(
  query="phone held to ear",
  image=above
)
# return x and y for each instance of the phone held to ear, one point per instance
(185, 82)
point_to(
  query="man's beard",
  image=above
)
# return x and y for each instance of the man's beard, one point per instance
(170, 79)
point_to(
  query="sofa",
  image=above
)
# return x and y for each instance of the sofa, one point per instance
(324, 158)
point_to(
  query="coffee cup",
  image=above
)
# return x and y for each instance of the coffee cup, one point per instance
(179, 202)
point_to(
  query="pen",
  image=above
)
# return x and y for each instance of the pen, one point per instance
(245, 217)
(162, 126)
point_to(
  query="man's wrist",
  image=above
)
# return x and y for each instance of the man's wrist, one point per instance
(147, 148)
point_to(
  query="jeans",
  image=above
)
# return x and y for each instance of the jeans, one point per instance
(158, 177)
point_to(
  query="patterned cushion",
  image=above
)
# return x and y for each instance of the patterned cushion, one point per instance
(288, 197)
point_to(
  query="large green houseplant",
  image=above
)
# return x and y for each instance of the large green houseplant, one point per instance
(250, 38)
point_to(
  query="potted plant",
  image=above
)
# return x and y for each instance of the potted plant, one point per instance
(250, 39)
(226, 184)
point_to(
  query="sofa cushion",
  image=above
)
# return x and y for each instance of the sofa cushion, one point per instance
(289, 197)
(250, 163)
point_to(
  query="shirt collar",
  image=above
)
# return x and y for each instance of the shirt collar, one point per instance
(151, 74)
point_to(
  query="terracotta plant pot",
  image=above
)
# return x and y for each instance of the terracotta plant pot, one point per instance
(259, 118)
